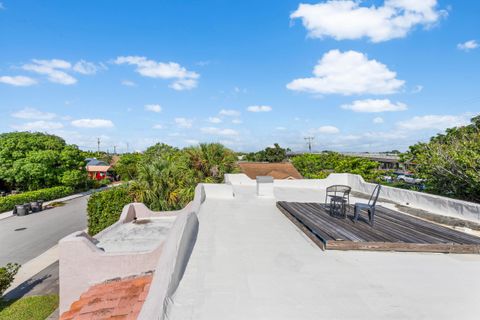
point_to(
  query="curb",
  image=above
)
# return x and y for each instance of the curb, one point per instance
(9, 214)
(34, 266)
(55, 315)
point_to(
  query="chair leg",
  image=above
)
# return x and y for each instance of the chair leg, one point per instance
(372, 219)
(355, 215)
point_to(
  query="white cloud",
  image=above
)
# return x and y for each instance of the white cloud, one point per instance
(259, 109)
(378, 120)
(158, 126)
(92, 123)
(437, 122)
(229, 113)
(53, 69)
(183, 79)
(280, 128)
(237, 121)
(183, 122)
(183, 84)
(153, 108)
(220, 132)
(31, 113)
(128, 83)
(40, 125)
(347, 73)
(214, 120)
(18, 81)
(468, 45)
(374, 105)
(327, 130)
(2, 7)
(57, 70)
(343, 20)
(85, 67)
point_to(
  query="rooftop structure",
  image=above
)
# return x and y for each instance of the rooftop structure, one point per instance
(232, 254)
(282, 170)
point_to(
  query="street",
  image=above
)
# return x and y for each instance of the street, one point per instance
(24, 238)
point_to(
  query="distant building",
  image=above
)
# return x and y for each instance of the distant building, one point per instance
(282, 170)
(97, 169)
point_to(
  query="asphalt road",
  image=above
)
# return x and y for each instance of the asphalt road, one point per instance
(42, 230)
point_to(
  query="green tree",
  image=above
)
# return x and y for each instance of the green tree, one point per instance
(210, 162)
(31, 161)
(319, 166)
(167, 176)
(126, 167)
(7, 274)
(269, 154)
(450, 162)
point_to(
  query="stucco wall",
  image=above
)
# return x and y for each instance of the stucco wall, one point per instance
(82, 264)
(419, 200)
(176, 253)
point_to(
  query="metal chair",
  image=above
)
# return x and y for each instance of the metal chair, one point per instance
(339, 198)
(370, 206)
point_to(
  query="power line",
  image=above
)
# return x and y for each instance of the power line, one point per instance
(309, 141)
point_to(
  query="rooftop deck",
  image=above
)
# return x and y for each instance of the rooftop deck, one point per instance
(393, 231)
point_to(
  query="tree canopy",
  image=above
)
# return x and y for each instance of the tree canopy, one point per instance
(167, 176)
(450, 162)
(269, 154)
(319, 166)
(31, 161)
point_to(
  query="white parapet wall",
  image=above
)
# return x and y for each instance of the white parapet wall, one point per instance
(432, 203)
(418, 200)
(83, 264)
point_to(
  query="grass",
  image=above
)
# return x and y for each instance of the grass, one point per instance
(28, 308)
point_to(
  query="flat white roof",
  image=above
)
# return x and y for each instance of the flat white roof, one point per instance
(251, 262)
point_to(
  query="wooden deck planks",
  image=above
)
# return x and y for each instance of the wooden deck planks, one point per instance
(392, 231)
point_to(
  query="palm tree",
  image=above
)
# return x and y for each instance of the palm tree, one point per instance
(211, 161)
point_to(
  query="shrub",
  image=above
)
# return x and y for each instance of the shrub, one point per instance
(7, 274)
(319, 166)
(8, 203)
(104, 208)
(74, 178)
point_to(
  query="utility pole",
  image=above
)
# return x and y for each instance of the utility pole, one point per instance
(98, 144)
(309, 143)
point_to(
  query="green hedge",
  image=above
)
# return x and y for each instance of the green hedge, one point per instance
(8, 203)
(104, 208)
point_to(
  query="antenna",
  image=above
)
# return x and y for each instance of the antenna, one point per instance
(98, 144)
(309, 141)
(114, 149)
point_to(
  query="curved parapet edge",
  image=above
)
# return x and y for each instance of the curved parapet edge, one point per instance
(83, 264)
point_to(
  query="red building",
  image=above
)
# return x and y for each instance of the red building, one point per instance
(97, 170)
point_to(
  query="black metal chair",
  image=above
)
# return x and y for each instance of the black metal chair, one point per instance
(339, 199)
(370, 206)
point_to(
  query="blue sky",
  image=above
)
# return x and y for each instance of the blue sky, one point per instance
(357, 76)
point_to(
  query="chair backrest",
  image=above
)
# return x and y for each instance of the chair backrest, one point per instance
(374, 197)
(345, 190)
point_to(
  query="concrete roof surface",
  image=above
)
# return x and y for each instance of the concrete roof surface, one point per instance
(145, 235)
(251, 262)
